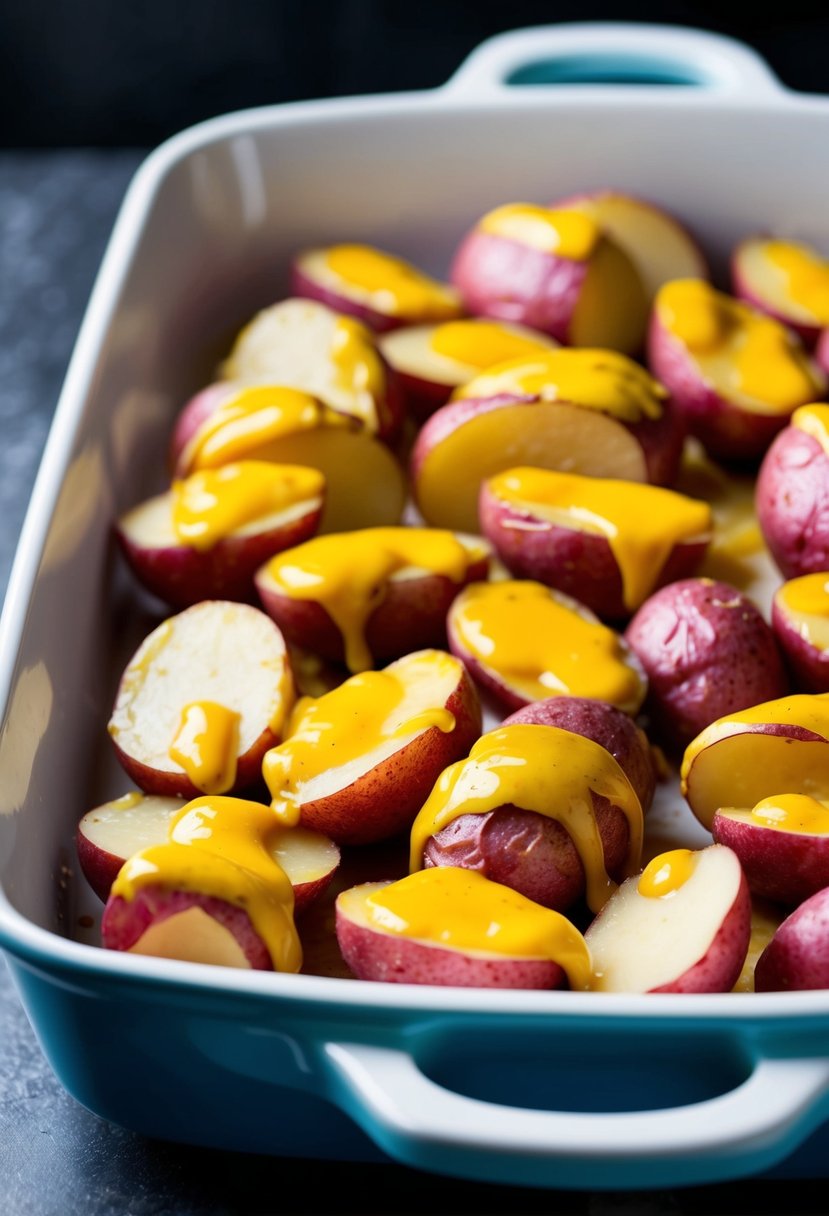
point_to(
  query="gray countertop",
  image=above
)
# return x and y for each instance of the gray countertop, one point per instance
(56, 1158)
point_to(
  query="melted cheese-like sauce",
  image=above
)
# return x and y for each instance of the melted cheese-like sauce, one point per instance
(219, 847)
(348, 573)
(805, 602)
(788, 813)
(462, 909)
(213, 503)
(737, 348)
(244, 424)
(641, 523)
(805, 275)
(813, 420)
(666, 873)
(602, 380)
(390, 284)
(206, 745)
(480, 343)
(543, 769)
(349, 729)
(568, 233)
(541, 644)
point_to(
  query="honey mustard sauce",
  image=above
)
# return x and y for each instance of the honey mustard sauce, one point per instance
(390, 284)
(541, 644)
(543, 769)
(348, 573)
(805, 603)
(211, 504)
(641, 523)
(739, 349)
(803, 276)
(219, 847)
(813, 419)
(570, 234)
(463, 910)
(351, 728)
(603, 380)
(478, 343)
(253, 419)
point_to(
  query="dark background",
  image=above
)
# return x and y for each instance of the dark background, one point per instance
(115, 73)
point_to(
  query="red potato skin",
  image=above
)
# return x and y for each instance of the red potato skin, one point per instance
(508, 281)
(412, 616)
(304, 285)
(421, 398)
(384, 802)
(171, 784)
(387, 958)
(530, 852)
(707, 651)
(785, 867)
(792, 503)
(604, 724)
(182, 576)
(731, 941)
(808, 665)
(822, 350)
(808, 334)
(797, 958)
(123, 922)
(98, 866)
(581, 564)
(726, 430)
(661, 439)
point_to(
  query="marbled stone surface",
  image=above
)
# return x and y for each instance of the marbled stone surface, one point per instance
(56, 1158)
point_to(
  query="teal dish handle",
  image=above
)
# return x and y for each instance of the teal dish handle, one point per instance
(616, 54)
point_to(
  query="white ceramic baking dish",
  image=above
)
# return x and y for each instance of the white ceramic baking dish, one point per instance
(552, 1089)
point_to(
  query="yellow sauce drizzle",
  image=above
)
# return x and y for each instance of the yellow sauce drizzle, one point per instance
(738, 348)
(393, 285)
(211, 504)
(641, 523)
(806, 276)
(540, 645)
(243, 425)
(480, 343)
(356, 359)
(813, 420)
(793, 813)
(206, 745)
(603, 380)
(219, 847)
(543, 769)
(369, 714)
(666, 873)
(464, 910)
(805, 601)
(569, 233)
(348, 573)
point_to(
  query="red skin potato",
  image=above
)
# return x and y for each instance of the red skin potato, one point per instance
(808, 665)
(661, 440)
(792, 503)
(182, 575)
(124, 922)
(605, 724)
(726, 430)
(579, 563)
(822, 350)
(386, 958)
(508, 281)
(732, 939)
(412, 616)
(383, 802)
(742, 290)
(785, 867)
(529, 852)
(707, 651)
(797, 958)
(421, 397)
(302, 284)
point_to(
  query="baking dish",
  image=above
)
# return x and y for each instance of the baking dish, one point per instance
(543, 1089)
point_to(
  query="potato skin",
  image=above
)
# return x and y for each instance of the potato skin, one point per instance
(707, 651)
(808, 665)
(797, 958)
(579, 563)
(785, 867)
(792, 503)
